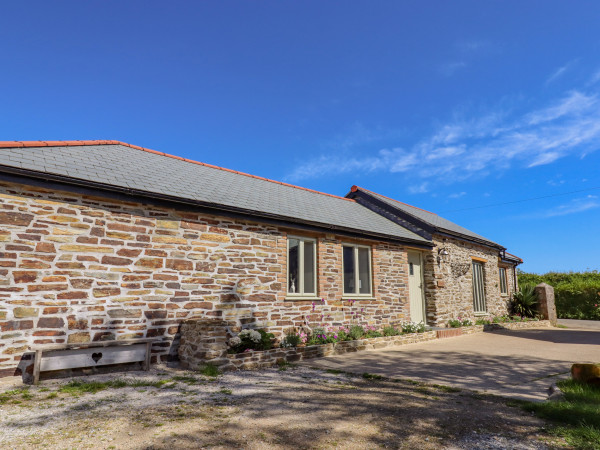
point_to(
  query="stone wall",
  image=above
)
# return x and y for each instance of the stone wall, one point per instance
(75, 268)
(449, 284)
(213, 350)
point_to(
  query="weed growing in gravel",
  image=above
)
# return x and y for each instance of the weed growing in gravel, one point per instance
(226, 391)
(283, 365)
(371, 376)
(210, 370)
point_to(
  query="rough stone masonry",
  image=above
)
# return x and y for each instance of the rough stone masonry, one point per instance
(78, 268)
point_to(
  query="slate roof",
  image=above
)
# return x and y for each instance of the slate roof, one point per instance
(429, 218)
(116, 164)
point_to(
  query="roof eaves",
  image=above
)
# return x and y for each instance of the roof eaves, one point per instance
(74, 181)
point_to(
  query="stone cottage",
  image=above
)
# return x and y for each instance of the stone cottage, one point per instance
(102, 240)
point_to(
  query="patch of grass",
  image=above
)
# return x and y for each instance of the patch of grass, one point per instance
(560, 325)
(334, 371)
(576, 417)
(441, 387)
(52, 395)
(371, 376)
(80, 387)
(226, 391)
(8, 395)
(187, 379)
(210, 370)
(144, 383)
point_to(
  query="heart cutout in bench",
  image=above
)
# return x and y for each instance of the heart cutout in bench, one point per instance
(96, 357)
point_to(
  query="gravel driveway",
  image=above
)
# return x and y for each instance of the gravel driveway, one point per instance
(269, 409)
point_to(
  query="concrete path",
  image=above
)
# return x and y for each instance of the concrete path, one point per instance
(517, 364)
(582, 324)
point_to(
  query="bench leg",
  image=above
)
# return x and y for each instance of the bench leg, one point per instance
(148, 355)
(36, 366)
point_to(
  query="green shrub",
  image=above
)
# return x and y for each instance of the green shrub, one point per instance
(356, 332)
(577, 294)
(391, 331)
(291, 339)
(483, 322)
(525, 303)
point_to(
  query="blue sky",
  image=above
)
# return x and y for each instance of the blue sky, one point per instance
(449, 106)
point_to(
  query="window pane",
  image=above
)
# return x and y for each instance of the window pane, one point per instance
(503, 287)
(364, 271)
(349, 283)
(309, 267)
(293, 254)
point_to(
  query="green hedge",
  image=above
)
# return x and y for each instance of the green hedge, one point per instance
(577, 294)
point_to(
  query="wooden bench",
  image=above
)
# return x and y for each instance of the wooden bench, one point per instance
(90, 354)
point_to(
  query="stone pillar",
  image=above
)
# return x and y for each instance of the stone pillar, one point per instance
(203, 341)
(545, 295)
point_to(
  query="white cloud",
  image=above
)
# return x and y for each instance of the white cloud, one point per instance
(575, 206)
(476, 145)
(457, 195)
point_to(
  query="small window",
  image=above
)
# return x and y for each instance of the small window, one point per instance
(302, 264)
(357, 269)
(411, 269)
(503, 283)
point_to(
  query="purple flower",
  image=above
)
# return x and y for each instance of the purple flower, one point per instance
(313, 306)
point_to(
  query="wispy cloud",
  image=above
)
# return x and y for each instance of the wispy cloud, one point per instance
(472, 45)
(450, 68)
(419, 189)
(476, 145)
(594, 78)
(457, 195)
(575, 206)
(560, 72)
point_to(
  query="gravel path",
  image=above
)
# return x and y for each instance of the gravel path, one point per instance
(298, 407)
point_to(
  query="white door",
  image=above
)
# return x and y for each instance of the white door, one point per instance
(415, 287)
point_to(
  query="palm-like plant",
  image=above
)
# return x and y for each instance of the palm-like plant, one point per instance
(524, 303)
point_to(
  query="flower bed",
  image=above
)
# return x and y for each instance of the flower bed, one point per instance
(269, 358)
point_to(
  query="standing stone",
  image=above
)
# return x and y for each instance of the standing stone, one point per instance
(545, 295)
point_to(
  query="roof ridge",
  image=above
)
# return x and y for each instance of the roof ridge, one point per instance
(22, 144)
(355, 188)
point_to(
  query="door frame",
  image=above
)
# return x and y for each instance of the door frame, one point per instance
(423, 306)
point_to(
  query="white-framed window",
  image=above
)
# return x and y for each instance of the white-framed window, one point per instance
(503, 283)
(302, 267)
(357, 269)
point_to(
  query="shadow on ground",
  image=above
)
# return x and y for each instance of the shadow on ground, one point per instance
(297, 408)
